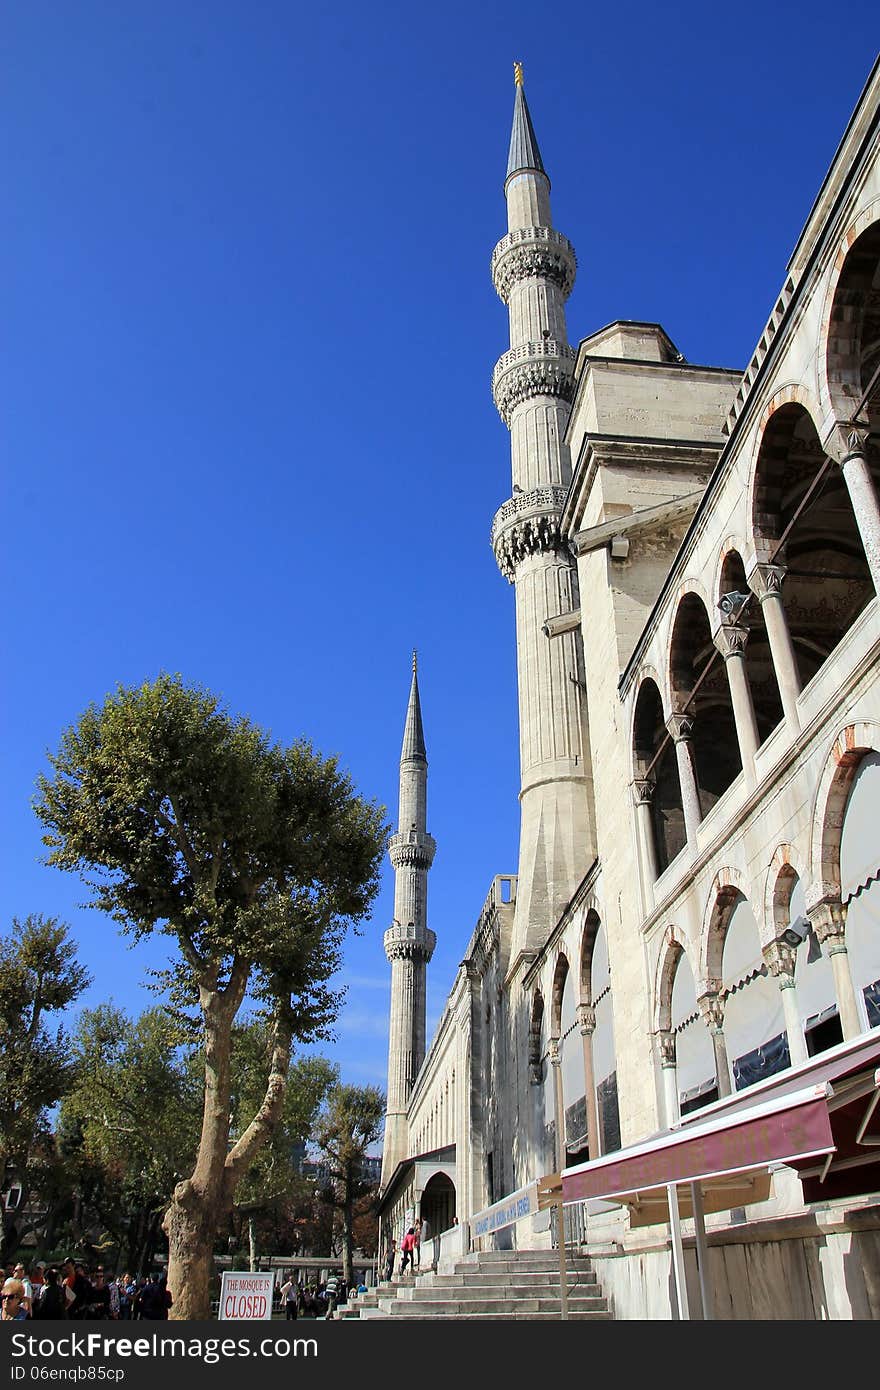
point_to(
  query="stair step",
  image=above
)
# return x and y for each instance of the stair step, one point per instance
(493, 1285)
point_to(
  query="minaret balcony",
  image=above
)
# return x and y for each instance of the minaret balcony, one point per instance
(409, 942)
(543, 368)
(528, 252)
(528, 524)
(412, 849)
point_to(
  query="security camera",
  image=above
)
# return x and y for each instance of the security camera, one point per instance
(732, 604)
(796, 931)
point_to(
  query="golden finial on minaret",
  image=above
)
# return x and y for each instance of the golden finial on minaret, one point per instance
(517, 74)
(415, 661)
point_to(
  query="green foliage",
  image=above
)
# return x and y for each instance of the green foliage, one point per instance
(38, 976)
(186, 820)
(136, 1105)
(349, 1124)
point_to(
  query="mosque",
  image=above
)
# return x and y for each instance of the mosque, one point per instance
(673, 1006)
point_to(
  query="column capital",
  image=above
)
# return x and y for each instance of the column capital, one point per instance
(847, 441)
(780, 959)
(731, 639)
(828, 920)
(666, 1047)
(766, 580)
(680, 727)
(586, 1017)
(711, 1006)
(643, 789)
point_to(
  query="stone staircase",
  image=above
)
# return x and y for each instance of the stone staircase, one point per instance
(512, 1285)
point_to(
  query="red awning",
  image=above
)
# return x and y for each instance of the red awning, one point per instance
(788, 1129)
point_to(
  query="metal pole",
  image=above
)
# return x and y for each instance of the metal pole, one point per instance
(702, 1250)
(563, 1274)
(677, 1253)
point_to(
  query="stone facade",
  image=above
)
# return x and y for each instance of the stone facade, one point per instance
(695, 557)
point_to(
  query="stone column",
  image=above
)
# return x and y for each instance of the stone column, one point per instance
(829, 923)
(559, 1102)
(669, 1072)
(860, 486)
(681, 728)
(586, 1017)
(731, 639)
(765, 581)
(643, 793)
(711, 1006)
(781, 959)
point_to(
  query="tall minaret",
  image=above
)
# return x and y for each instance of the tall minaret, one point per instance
(533, 269)
(409, 944)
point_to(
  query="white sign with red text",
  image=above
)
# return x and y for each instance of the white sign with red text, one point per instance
(245, 1296)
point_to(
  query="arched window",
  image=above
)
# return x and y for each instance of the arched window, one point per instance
(650, 736)
(827, 581)
(694, 1055)
(706, 694)
(604, 1055)
(760, 671)
(754, 1027)
(860, 885)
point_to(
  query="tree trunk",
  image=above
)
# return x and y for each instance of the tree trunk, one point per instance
(204, 1200)
(347, 1204)
(197, 1204)
(252, 1241)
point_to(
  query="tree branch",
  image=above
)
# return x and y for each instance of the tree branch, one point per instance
(263, 1123)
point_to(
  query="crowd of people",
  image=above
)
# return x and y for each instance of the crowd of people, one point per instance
(300, 1300)
(72, 1290)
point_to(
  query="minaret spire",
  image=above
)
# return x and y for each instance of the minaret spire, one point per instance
(409, 943)
(524, 152)
(533, 268)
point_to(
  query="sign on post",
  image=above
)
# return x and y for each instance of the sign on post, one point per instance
(245, 1296)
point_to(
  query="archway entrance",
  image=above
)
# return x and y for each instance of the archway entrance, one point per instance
(437, 1206)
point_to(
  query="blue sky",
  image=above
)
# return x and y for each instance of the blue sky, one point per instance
(248, 333)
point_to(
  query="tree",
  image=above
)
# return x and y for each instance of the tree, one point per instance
(39, 976)
(255, 859)
(130, 1124)
(351, 1122)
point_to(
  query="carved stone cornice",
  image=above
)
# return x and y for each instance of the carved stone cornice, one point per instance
(409, 942)
(643, 789)
(731, 640)
(412, 849)
(680, 727)
(828, 920)
(711, 1006)
(533, 252)
(586, 1017)
(780, 959)
(528, 524)
(533, 369)
(766, 580)
(666, 1047)
(846, 442)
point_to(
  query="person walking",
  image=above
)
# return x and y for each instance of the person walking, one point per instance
(331, 1289)
(417, 1246)
(389, 1259)
(289, 1298)
(407, 1247)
